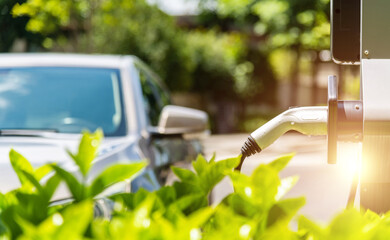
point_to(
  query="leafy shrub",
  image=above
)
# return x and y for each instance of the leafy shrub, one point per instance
(256, 210)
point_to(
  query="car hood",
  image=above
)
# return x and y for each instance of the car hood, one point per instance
(39, 151)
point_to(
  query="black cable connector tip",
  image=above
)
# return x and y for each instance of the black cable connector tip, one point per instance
(249, 148)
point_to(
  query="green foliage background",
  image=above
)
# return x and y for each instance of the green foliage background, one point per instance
(135, 27)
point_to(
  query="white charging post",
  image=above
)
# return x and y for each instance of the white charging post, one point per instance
(375, 94)
(361, 34)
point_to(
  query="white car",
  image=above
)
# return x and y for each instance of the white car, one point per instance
(46, 100)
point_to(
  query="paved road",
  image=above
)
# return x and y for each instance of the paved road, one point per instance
(326, 187)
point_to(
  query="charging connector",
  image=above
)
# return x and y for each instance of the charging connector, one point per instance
(306, 120)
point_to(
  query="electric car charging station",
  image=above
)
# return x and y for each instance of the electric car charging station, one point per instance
(360, 34)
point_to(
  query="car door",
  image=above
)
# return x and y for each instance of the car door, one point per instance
(163, 150)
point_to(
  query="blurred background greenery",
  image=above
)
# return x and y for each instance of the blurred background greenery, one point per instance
(242, 61)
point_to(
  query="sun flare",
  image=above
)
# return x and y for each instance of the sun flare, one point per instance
(349, 158)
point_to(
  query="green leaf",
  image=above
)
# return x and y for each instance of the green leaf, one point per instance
(198, 218)
(377, 227)
(310, 229)
(191, 203)
(144, 209)
(200, 164)
(240, 205)
(226, 224)
(3, 228)
(71, 224)
(33, 181)
(185, 175)
(8, 219)
(3, 201)
(101, 229)
(167, 194)
(207, 175)
(4, 232)
(115, 174)
(188, 198)
(27, 227)
(284, 210)
(279, 230)
(280, 163)
(212, 160)
(241, 184)
(42, 171)
(347, 225)
(83, 212)
(260, 188)
(31, 207)
(73, 184)
(213, 172)
(285, 185)
(264, 185)
(51, 186)
(185, 188)
(19, 164)
(73, 156)
(87, 151)
(131, 200)
(8, 199)
(372, 216)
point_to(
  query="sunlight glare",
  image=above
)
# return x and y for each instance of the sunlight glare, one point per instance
(349, 158)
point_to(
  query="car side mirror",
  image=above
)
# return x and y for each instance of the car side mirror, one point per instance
(181, 120)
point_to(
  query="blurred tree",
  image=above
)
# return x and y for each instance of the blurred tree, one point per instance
(116, 27)
(60, 20)
(285, 23)
(254, 77)
(217, 59)
(291, 24)
(15, 28)
(135, 27)
(254, 80)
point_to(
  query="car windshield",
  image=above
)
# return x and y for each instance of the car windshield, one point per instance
(61, 99)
